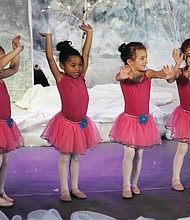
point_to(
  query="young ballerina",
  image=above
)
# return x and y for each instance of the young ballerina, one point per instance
(179, 121)
(10, 136)
(135, 127)
(70, 131)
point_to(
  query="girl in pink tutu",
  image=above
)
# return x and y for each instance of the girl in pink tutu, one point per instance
(10, 136)
(70, 131)
(179, 121)
(135, 127)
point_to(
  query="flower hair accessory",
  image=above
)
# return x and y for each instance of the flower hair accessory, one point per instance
(83, 123)
(10, 122)
(143, 119)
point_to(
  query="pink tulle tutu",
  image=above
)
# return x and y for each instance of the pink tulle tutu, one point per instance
(128, 131)
(179, 124)
(10, 137)
(68, 137)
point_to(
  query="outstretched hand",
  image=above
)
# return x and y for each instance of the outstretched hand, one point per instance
(125, 72)
(177, 57)
(170, 74)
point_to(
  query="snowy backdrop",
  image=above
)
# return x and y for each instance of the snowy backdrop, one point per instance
(161, 21)
(161, 25)
(15, 17)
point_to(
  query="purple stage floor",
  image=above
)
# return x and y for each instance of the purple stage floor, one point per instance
(32, 180)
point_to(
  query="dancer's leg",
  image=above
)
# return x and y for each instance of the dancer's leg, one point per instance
(177, 165)
(137, 164)
(74, 170)
(5, 201)
(63, 176)
(3, 168)
(129, 154)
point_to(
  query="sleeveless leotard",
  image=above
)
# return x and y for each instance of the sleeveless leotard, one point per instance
(136, 96)
(71, 131)
(5, 106)
(135, 127)
(183, 85)
(74, 98)
(10, 135)
(179, 120)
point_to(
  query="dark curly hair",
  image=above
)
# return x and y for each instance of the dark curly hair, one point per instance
(66, 50)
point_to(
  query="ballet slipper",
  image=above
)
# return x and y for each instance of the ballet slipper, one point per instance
(4, 203)
(78, 194)
(5, 197)
(126, 193)
(177, 186)
(135, 190)
(65, 197)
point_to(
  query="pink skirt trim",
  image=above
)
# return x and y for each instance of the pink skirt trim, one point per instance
(10, 138)
(68, 137)
(128, 131)
(179, 124)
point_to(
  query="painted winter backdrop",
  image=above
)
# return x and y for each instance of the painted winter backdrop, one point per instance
(161, 25)
(162, 21)
(15, 20)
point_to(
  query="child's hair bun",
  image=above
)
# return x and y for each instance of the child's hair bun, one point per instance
(64, 45)
(122, 48)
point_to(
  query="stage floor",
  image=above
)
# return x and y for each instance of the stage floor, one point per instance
(32, 180)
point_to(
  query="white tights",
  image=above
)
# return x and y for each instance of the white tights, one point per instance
(178, 160)
(3, 168)
(132, 163)
(68, 164)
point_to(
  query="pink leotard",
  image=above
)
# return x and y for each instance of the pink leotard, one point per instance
(183, 85)
(136, 96)
(74, 98)
(5, 106)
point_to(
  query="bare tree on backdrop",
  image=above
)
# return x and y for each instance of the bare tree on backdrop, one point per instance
(114, 21)
(171, 17)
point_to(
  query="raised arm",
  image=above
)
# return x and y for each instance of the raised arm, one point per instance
(12, 57)
(49, 55)
(87, 45)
